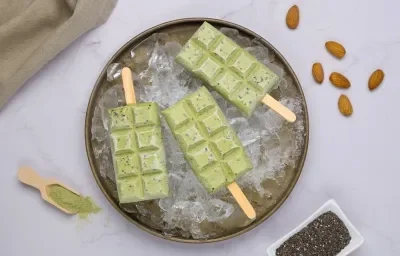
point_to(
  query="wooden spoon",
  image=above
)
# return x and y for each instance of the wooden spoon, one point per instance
(28, 176)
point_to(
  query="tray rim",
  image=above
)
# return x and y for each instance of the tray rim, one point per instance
(143, 35)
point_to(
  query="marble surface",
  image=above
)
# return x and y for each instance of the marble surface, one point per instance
(353, 160)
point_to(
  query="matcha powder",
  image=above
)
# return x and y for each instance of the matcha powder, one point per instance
(70, 201)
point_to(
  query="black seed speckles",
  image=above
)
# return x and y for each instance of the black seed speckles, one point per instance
(325, 236)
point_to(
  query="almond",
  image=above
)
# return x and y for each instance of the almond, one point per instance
(335, 49)
(293, 17)
(339, 80)
(318, 72)
(375, 79)
(345, 106)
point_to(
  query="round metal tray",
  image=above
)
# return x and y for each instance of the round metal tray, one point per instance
(182, 29)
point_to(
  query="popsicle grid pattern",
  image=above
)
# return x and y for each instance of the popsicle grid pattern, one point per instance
(138, 152)
(230, 70)
(210, 145)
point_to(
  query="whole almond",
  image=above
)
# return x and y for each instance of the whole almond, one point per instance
(375, 79)
(335, 49)
(345, 106)
(339, 80)
(318, 72)
(293, 17)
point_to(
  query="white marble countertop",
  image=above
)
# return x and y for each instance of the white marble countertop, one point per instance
(353, 160)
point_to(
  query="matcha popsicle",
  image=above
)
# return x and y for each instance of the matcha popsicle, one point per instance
(230, 70)
(209, 144)
(137, 148)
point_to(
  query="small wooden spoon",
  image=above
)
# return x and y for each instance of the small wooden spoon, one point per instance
(28, 176)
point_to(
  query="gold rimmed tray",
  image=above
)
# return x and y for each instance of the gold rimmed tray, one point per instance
(279, 188)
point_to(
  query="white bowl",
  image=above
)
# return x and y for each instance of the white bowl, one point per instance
(356, 239)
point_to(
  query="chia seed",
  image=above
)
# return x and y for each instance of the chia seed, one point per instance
(327, 235)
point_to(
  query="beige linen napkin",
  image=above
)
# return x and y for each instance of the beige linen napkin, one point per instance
(32, 32)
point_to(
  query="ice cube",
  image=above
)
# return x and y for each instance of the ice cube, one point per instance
(106, 165)
(159, 60)
(175, 156)
(279, 71)
(239, 123)
(198, 233)
(142, 208)
(172, 48)
(114, 71)
(218, 210)
(222, 103)
(112, 98)
(129, 208)
(249, 136)
(254, 151)
(98, 130)
(235, 220)
(166, 203)
(235, 36)
(283, 84)
(99, 150)
(261, 53)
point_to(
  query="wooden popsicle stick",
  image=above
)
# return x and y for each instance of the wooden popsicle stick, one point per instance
(127, 82)
(242, 200)
(28, 176)
(279, 108)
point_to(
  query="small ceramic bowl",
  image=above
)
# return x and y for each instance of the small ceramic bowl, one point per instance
(356, 239)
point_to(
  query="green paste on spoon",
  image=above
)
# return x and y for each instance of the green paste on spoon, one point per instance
(72, 202)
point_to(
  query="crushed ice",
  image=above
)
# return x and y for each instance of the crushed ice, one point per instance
(271, 143)
(113, 71)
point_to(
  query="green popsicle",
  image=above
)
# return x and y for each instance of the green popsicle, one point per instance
(138, 152)
(230, 70)
(209, 144)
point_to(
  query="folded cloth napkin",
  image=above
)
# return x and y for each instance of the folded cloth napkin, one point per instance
(32, 32)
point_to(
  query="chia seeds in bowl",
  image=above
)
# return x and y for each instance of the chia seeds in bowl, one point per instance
(327, 232)
(326, 235)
